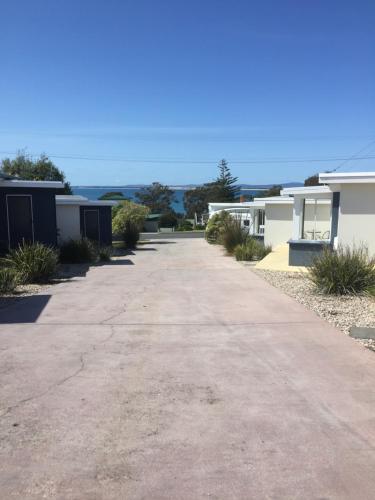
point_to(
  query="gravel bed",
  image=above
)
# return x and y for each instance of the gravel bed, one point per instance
(344, 311)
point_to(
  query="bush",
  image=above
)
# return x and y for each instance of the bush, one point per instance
(33, 262)
(128, 211)
(345, 271)
(78, 252)
(215, 227)
(251, 250)
(9, 280)
(233, 234)
(105, 254)
(168, 219)
(130, 236)
(263, 250)
(185, 225)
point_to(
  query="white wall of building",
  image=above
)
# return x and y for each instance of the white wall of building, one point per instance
(279, 223)
(357, 215)
(68, 222)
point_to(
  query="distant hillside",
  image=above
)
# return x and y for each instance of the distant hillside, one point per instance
(252, 187)
(268, 186)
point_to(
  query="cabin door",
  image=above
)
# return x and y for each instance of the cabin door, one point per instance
(91, 220)
(20, 219)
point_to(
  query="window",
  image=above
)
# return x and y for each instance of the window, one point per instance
(261, 215)
(316, 220)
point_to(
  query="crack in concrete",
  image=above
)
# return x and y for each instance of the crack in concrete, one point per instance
(63, 380)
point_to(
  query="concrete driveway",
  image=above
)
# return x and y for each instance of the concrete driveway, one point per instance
(179, 374)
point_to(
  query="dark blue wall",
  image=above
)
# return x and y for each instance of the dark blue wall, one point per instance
(44, 214)
(335, 215)
(105, 221)
(302, 253)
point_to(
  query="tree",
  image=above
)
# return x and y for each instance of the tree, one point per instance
(313, 180)
(196, 200)
(157, 198)
(225, 183)
(112, 195)
(42, 169)
(223, 189)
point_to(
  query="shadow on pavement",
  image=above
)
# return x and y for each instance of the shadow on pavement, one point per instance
(116, 262)
(67, 271)
(22, 309)
(155, 242)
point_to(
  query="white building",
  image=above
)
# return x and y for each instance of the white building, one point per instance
(271, 218)
(356, 207)
(79, 217)
(351, 201)
(251, 214)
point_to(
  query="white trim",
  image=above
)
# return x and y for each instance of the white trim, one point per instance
(31, 184)
(32, 213)
(283, 200)
(84, 221)
(307, 191)
(82, 201)
(347, 178)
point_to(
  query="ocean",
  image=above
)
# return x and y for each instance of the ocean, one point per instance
(94, 193)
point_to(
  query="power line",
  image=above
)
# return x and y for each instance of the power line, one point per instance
(202, 162)
(354, 156)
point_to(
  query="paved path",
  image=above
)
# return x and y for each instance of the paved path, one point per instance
(181, 375)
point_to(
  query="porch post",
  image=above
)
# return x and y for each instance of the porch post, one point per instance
(297, 217)
(335, 216)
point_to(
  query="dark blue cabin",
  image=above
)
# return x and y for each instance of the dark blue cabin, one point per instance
(96, 222)
(27, 212)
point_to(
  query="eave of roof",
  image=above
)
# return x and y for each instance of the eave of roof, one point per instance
(347, 178)
(17, 183)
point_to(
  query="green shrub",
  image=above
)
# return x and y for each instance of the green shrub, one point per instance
(263, 250)
(251, 250)
(9, 280)
(128, 211)
(233, 234)
(344, 271)
(200, 227)
(78, 252)
(215, 227)
(168, 219)
(130, 235)
(105, 254)
(185, 225)
(33, 262)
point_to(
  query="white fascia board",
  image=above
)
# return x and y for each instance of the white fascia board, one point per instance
(62, 199)
(81, 201)
(101, 203)
(275, 200)
(347, 178)
(224, 206)
(306, 191)
(15, 183)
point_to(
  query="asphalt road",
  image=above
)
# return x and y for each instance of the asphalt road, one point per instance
(177, 373)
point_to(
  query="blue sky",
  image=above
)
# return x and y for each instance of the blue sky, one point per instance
(163, 90)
